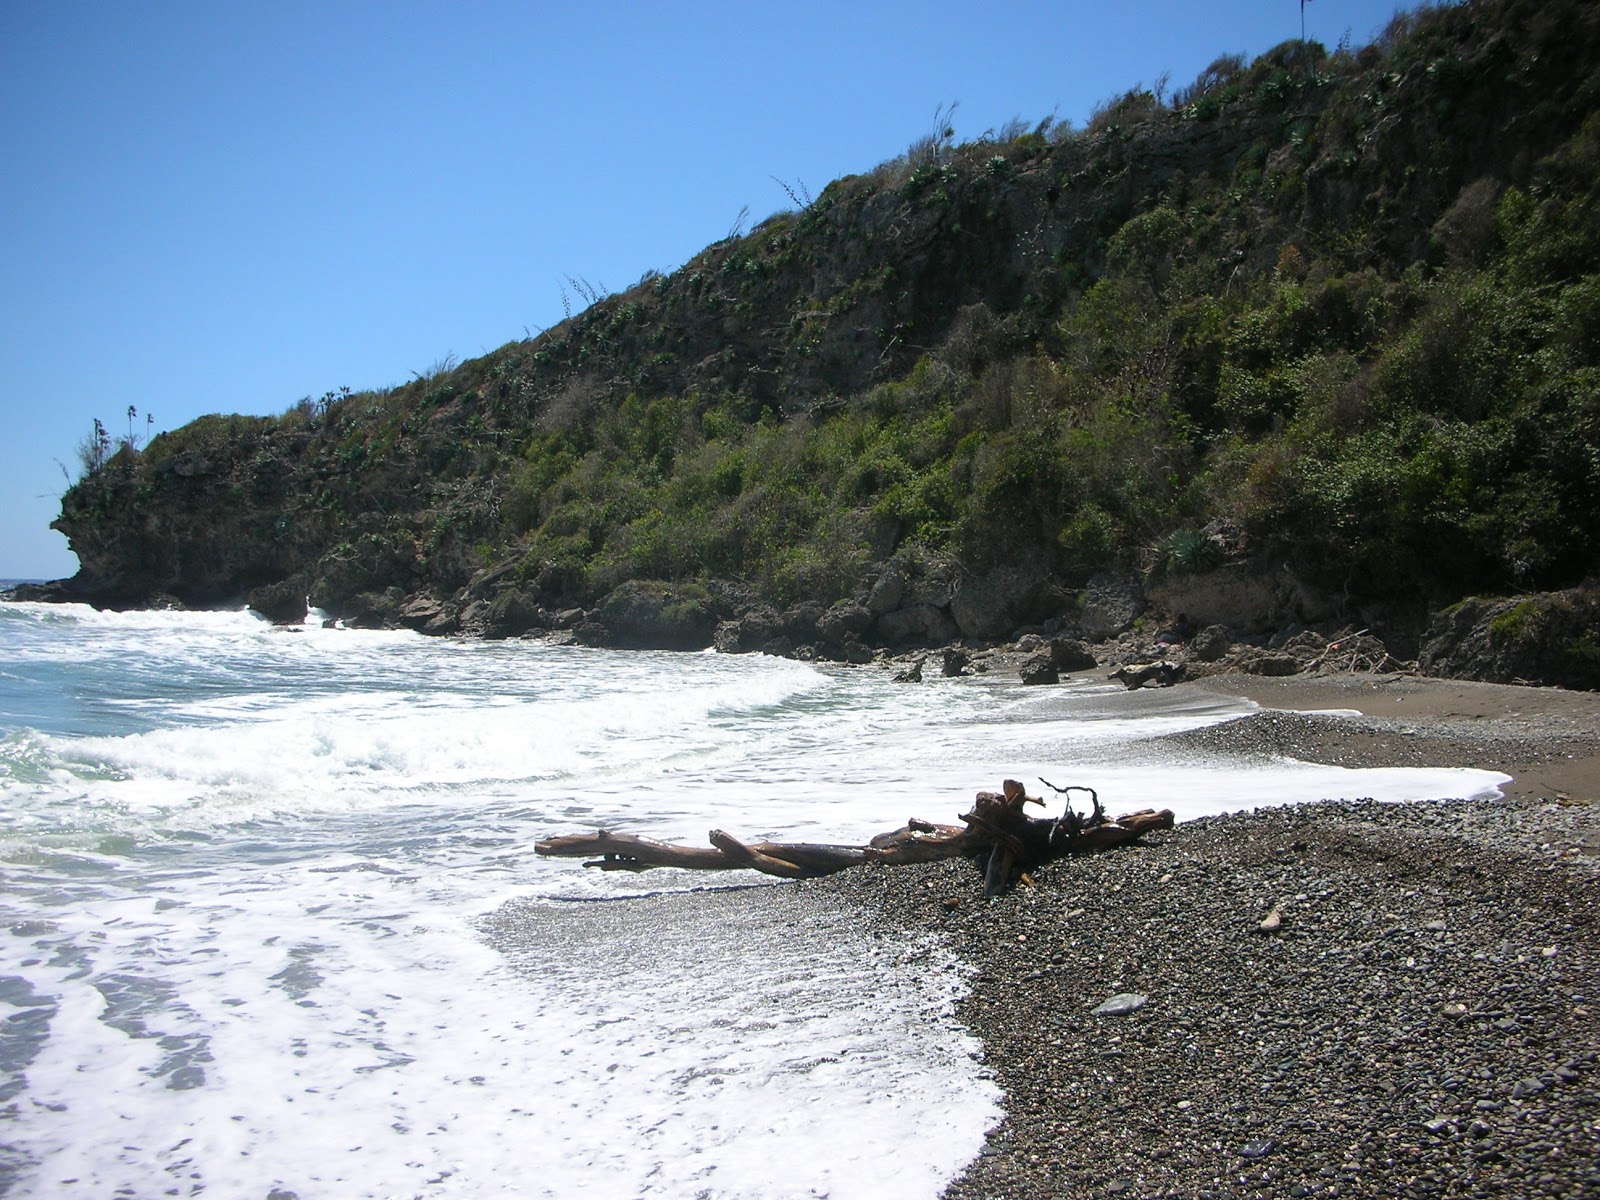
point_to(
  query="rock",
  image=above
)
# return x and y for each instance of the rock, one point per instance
(1039, 669)
(1109, 605)
(754, 630)
(799, 624)
(1210, 644)
(853, 652)
(427, 614)
(1272, 922)
(55, 592)
(1121, 1004)
(912, 674)
(1069, 654)
(930, 583)
(846, 621)
(589, 633)
(1271, 664)
(920, 624)
(282, 603)
(373, 610)
(991, 606)
(1543, 638)
(511, 614)
(954, 661)
(647, 615)
(1162, 674)
(887, 592)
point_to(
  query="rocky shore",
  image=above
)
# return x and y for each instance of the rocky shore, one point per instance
(1340, 999)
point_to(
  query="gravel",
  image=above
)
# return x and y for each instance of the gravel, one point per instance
(1339, 999)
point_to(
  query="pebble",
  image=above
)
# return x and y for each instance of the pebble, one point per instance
(1315, 1056)
(1121, 1004)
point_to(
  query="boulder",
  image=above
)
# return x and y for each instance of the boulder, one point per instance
(1069, 654)
(1161, 674)
(282, 603)
(1109, 605)
(799, 624)
(1039, 669)
(648, 615)
(933, 586)
(912, 674)
(918, 625)
(1210, 644)
(993, 605)
(511, 614)
(760, 629)
(430, 615)
(1243, 597)
(846, 621)
(55, 592)
(888, 591)
(372, 610)
(1272, 664)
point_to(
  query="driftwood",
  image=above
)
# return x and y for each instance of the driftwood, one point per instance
(1164, 674)
(997, 834)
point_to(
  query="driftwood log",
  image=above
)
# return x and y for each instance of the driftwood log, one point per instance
(997, 834)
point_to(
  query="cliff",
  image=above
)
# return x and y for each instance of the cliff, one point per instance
(1322, 329)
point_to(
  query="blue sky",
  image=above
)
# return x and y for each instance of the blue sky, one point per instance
(223, 207)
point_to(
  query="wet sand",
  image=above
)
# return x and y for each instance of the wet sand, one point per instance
(1546, 739)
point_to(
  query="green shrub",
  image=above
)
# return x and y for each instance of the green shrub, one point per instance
(1189, 552)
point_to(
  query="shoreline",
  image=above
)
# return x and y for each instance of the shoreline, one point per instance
(1424, 1020)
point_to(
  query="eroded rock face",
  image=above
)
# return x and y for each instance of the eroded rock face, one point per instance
(1550, 638)
(281, 603)
(846, 621)
(1110, 604)
(656, 616)
(993, 605)
(919, 625)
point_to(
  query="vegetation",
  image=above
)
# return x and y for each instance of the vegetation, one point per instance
(1344, 305)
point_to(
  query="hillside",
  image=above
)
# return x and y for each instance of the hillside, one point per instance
(1314, 339)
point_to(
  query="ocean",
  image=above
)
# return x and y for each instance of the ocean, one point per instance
(274, 926)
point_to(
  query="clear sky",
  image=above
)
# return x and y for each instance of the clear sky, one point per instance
(224, 207)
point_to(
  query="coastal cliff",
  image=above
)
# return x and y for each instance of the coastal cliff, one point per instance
(1313, 340)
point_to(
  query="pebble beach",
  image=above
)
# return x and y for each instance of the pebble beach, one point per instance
(1338, 999)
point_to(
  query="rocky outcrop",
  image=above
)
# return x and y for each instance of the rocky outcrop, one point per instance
(1109, 605)
(644, 615)
(281, 603)
(1550, 638)
(995, 604)
(1243, 597)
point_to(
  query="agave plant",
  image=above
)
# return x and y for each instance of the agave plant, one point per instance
(1186, 551)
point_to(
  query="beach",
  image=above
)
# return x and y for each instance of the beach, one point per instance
(1345, 998)
(277, 915)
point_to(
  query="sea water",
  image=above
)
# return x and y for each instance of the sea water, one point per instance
(274, 925)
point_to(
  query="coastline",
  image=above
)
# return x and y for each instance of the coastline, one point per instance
(1424, 1021)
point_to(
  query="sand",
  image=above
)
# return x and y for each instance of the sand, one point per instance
(1546, 739)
